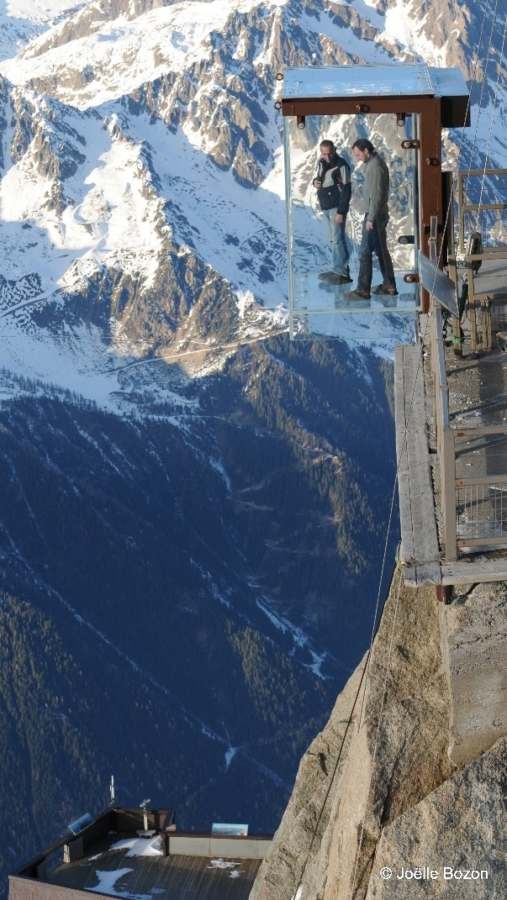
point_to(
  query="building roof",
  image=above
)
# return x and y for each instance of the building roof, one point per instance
(139, 855)
(134, 867)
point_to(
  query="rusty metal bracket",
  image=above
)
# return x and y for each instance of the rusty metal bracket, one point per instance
(444, 593)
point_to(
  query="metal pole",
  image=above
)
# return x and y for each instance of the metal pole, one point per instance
(461, 212)
(288, 208)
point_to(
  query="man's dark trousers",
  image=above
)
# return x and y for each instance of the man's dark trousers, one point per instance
(374, 241)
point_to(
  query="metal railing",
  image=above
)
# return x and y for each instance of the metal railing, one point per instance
(481, 510)
(465, 206)
(474, 509)
(444, 434)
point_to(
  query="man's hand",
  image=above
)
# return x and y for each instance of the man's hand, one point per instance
(317, 183)
(369, 226)
(339, 218)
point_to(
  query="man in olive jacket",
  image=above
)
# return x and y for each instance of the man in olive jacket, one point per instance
(376, 198)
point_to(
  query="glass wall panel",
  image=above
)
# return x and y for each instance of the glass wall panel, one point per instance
(315, 250)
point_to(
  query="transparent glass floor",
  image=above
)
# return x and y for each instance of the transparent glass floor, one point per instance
(313, 295)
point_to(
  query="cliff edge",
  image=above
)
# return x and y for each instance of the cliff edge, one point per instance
(381, 798)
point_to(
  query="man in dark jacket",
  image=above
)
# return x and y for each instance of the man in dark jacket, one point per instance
(376, 198)
(332, 181)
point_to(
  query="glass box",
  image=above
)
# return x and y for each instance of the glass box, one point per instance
(313, 300)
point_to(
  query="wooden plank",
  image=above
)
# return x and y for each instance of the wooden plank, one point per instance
(492, 359)
(419, 543)
(471, 431)
(408, 544)
(489, 292)
(474, 571)
(487, 253)
(482, 479)
(427, 573)
(442, 375)
(485, 541)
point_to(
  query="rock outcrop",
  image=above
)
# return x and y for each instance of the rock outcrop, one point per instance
(474, 641)
(456, 833)
(382, 793)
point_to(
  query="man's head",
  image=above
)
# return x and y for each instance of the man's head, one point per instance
(362, 150)
(327, 149)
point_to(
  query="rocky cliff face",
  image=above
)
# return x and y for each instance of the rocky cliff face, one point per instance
(383, 795)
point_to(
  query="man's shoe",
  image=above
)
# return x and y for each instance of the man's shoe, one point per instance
(324, 276)
(385, 289)
(333, 278)
(358, 295)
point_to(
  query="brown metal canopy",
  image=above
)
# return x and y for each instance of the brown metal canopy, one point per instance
(395, 88)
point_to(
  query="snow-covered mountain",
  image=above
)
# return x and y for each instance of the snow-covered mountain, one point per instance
(193, 507)
(140, 138)
(134, 135)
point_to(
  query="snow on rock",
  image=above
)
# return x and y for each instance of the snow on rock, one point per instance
(108, 881)
(355, 47)
(23, 20)
(159, 41)
(72, 362)
(40, 10)
(299, 639)
(223, 864)
(401, 25)
(139, 846)
(230, 753)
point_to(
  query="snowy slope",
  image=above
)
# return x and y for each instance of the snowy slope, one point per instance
(23, 20)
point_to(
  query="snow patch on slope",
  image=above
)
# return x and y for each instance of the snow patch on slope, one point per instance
(72, 362)
(366, 50)
(24, 20)
(402, 26)
(40, 10)
(124, 54)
